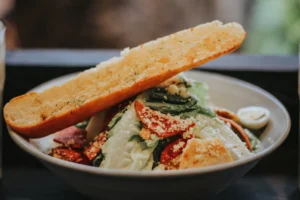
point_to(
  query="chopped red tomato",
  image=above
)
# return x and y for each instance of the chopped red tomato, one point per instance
(172, 150)
(85, 160)
(70, 155)
(95, 147)
(160, 124)
(71, 137)
(240, 130)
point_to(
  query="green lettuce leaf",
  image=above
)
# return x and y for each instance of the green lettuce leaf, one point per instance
(200, 91)
(125, 149)
(255, 143)
(207, 127)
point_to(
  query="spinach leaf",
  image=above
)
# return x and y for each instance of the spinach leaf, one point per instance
(159, 99)
(161, 95)
(83, 124)
(160, 147)
(98, 159)
(187, 84)
(173, 109)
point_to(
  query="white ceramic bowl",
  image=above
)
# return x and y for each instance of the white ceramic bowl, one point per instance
(184, 184)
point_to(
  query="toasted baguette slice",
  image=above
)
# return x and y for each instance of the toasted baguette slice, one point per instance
(38, 114)
(204, 152)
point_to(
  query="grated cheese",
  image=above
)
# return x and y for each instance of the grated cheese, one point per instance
(145, 134)
(174, 80)
(173, 89)
(95, 146)
(180, 90)
(178, 146)
(183, 92)
(157, 120)
(188, 134)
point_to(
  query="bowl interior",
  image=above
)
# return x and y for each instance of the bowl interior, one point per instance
(224, 91)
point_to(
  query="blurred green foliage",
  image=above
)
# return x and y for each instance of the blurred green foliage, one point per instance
(274, 27)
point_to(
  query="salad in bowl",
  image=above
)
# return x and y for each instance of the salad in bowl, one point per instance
(168, 127)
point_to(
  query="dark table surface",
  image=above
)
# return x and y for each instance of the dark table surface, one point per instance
(275, 177)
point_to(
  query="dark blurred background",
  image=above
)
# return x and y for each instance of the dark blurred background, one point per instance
(273, 26)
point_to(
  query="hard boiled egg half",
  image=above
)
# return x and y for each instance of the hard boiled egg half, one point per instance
(253, 117)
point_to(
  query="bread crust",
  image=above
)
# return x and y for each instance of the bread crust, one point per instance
(47, 124)
(204, 152)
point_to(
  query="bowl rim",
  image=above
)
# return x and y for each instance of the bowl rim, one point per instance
(23, 144)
